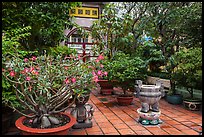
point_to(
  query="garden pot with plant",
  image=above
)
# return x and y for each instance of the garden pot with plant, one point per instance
(173, 97)
(42, 85)
(125, 69)
(189, 75)
(106, 85)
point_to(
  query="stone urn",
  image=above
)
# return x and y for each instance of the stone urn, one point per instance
(149, 96)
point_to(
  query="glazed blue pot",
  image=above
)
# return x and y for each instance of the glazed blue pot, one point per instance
(176, 99)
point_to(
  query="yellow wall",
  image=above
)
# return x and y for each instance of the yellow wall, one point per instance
(85, 10)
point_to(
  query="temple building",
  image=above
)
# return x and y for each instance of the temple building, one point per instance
(84, 17)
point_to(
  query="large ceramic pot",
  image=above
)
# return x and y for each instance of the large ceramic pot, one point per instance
(106, 87)
(175, 99)
(62, 130)
(124, 99)
(192, 104)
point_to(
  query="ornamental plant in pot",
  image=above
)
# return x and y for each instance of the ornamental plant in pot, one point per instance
(173, 97)
(125, 70)
(43, 84)
(101, 71)
(189, 75)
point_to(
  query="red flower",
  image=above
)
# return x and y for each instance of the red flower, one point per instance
(95, 78)
(26, 70)
(73, 80)
(66, 81)
(12, 73)
(79, 56)
(105, 73)
(97, 60)
(25, 60)
(99, 73)
(65, 67)
(30, 121)
(100, 57)
(33, 58)
(23, 72)
(36, 72)
(28, 78)
(32, 69)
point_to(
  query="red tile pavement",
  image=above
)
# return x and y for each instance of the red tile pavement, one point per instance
(109, 118)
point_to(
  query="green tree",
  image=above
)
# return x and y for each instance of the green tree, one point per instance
(47, 21)
(189, 69)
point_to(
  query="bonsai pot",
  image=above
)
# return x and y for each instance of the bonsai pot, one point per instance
(175, 99)
(124, 99)
(106, 87)
(192, 104)
(62, 130)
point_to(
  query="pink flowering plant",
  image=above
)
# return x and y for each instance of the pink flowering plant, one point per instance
(101, 69)
(43, 84)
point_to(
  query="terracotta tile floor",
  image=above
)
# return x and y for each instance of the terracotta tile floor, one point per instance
(109, 118)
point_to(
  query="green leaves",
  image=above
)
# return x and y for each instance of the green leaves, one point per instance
(46, 20)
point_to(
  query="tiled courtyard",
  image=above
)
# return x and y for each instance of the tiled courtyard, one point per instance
(111, 119)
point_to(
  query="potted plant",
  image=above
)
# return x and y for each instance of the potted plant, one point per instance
(189, 75)
(101, 71)
(173, 97)
(125, 70)
(43, 84)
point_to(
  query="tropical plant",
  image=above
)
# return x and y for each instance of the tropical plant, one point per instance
(46, 19)
(189, 70)
(125, 70)
(44, 83)
(11, 45)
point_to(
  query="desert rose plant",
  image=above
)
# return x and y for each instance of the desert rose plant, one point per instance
(43, 84)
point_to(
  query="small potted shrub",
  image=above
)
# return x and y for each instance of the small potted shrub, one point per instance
(173, 97)
(103, 75)
(44, 84)
(189, 75)
(125, 70)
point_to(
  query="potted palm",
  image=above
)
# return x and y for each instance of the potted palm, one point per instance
(125, 70)
(44, 86)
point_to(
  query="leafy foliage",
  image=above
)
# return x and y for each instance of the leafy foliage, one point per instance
(189, 69)
(11, 46)
(46, 19)
(125, 70)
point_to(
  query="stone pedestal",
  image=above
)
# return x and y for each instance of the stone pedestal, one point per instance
(149, 118)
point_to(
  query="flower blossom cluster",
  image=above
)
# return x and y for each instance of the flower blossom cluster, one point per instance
(98, 74)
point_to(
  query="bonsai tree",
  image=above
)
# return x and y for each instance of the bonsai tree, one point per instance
(126, 69)
(44, 83)
(189, 70)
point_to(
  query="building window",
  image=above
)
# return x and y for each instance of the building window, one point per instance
(87, 12)
(94, 12)
(73, 11)
(80, 11)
